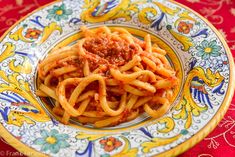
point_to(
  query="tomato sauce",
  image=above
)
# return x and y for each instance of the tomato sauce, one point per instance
(106, 50)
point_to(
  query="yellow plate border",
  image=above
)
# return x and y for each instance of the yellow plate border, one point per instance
(8, 137)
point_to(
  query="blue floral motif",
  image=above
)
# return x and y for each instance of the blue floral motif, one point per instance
(184, 132)
(4, 112)
(52, 141)
(59, 12)
(105, 8)
(208, 49)
(220, 64)
(105, 155)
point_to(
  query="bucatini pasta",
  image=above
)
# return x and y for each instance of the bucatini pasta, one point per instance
(107, 77)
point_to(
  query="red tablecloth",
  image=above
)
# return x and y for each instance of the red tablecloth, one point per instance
(221, 13)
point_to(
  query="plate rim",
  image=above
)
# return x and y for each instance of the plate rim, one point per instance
(189, 143)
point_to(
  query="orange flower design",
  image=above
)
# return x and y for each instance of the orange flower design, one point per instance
(110, 144)
(32, 33)
(184, 27)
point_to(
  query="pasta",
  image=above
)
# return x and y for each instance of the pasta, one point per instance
(107, 78)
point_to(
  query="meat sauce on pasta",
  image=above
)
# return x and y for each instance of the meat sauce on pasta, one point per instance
(107, 78)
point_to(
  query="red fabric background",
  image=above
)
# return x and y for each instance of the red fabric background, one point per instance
(221, 13)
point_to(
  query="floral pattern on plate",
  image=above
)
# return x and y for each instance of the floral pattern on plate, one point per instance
(196, 45)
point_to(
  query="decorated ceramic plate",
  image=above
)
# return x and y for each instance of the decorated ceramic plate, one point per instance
(195, 49)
